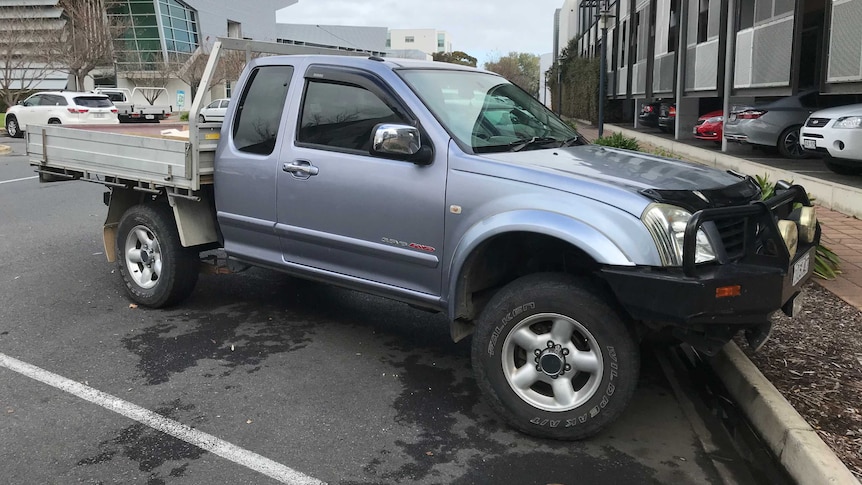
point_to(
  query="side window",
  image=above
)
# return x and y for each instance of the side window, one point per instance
(342, 115)
(214, 104)
(255, 127)
(33, 100)
(224, 103)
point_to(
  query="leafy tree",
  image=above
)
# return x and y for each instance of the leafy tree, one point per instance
(456, 57)
(521, 68)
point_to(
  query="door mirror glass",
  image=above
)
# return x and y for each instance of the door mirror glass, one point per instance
(395, 140)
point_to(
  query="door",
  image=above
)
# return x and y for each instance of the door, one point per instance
(346, 212)
(29, 113)
(246, 163)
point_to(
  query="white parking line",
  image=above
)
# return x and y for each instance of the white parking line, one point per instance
(18, 180)
(176, 429)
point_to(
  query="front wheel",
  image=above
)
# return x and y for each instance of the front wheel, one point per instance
(201, 119)
(13, 128)
(156, 269)
(553, 358)
(788, 144)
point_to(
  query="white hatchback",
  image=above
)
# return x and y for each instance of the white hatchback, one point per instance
(836, 133)
(60, 107)
(214, 111)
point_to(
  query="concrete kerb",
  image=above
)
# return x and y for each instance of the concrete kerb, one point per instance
(5, 149)
(841, 198)
(799, 449)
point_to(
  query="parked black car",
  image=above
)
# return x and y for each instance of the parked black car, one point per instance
(648, 115)
(667, 117)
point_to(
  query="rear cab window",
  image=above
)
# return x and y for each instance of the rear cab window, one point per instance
(258, 115)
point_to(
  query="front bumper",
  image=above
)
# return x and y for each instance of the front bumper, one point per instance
(691, 298)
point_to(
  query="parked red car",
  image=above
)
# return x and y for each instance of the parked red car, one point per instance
(709, 126)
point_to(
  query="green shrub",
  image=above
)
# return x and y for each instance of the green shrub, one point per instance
(826, 263)
(618, 140)
(184, 116)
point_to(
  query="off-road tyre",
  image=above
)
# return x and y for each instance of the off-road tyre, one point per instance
(605, 371)
(168, 272)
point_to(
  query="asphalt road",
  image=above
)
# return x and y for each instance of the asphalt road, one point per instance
(327, 383)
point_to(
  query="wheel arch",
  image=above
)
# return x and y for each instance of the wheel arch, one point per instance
(507, 246)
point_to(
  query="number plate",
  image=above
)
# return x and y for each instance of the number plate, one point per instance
(694, 130)
(812, 144)
(800, 268)
(98, 115)
(149, 117)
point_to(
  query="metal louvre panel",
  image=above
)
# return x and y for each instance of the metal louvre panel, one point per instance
(690, 67)
(623, 80)
(639, 78)
(845, 44)
(771, 55)
(742, 73)
(662, 77)
(706, 65)
(691, 28)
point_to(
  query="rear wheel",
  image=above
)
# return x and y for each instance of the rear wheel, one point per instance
(553, 358)
(12, 127)
(54, 121)
(156, 269)
(788, 144)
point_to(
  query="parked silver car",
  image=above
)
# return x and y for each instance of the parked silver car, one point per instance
(773, 124)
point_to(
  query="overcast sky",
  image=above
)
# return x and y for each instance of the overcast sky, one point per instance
(485, 29)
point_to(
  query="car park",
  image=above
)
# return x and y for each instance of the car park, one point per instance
(836, 133)
(648, 115)
(773, 124)
(60, 107)
(214, 111)
(709, 126)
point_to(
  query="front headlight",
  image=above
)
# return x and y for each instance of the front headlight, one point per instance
(666, 223)
(715, 119)
(848, 122)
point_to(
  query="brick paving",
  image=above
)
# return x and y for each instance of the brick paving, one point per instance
(840, 233)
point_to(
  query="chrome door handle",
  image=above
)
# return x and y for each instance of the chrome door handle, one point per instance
(300, 169)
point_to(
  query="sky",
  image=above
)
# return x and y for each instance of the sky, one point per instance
(485, 29)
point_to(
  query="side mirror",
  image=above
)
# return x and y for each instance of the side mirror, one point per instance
(20, 102)
(402, 142)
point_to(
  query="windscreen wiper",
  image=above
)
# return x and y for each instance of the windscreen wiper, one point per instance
(519, 145)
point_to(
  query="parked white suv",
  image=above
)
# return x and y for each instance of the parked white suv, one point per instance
(60, 107)
(837, 134)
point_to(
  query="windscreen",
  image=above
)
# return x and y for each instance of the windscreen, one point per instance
(485, 113)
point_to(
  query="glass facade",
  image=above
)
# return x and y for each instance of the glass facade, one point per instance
(141, 47)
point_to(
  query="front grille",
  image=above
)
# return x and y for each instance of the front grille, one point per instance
(812, 135)
(732, 231)
(817, 122)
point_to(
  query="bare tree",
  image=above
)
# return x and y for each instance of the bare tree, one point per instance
(190, 69)
(28, 47)
(88, 37)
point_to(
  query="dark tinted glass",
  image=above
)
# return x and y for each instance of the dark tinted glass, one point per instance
(342, 115)
(93, 101)
(255, 127)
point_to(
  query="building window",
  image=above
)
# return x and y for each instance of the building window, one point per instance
(179, 26)
(623, 46)
(673, 27)
(388, 40)
(702, 20)
(409, 39)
